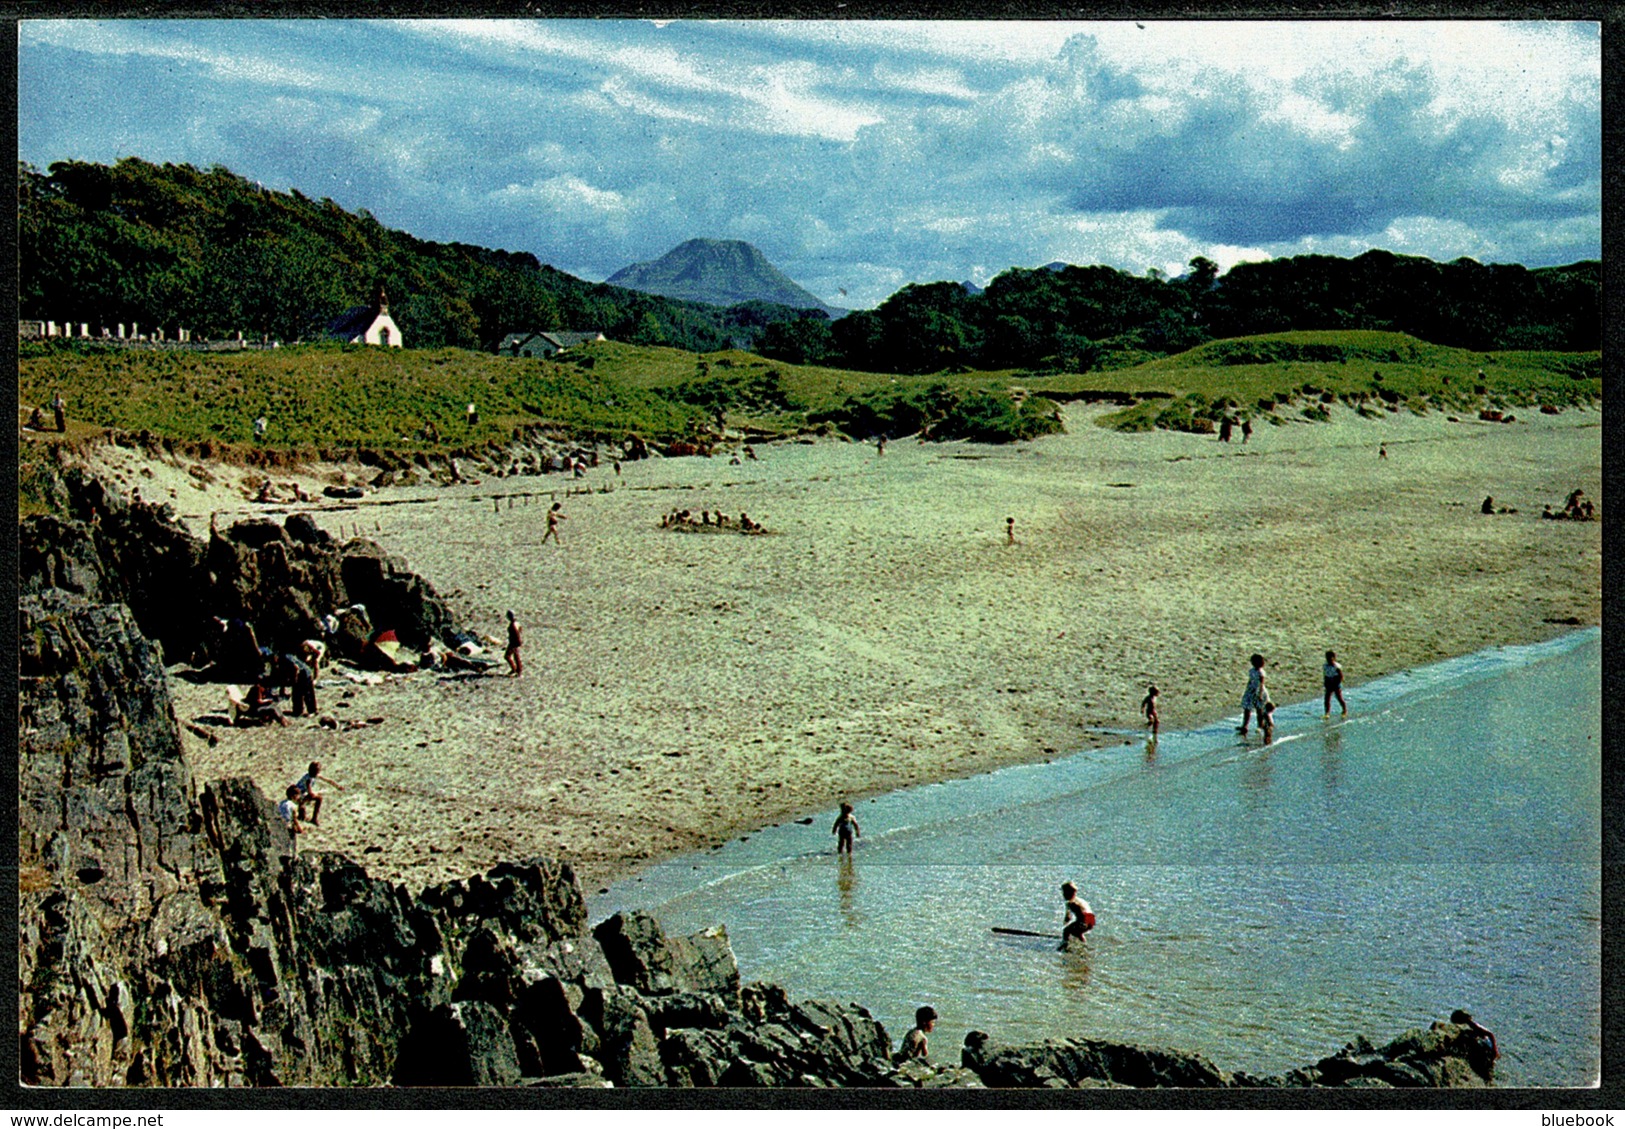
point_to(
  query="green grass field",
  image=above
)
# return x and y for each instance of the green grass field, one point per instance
(332, 397)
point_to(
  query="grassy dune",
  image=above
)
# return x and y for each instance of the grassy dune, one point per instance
(329, 396)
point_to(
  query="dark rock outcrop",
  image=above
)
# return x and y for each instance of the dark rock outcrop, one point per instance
(280, 578)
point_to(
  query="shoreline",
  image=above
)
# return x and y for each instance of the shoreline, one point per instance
(683, 690)
(1213, 735)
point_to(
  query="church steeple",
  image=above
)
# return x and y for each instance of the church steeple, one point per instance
(380, 300)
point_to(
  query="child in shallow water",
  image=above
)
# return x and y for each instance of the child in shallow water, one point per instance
(845, 830)
(1253, 700)
(1149, 708)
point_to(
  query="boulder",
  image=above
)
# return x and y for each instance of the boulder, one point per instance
(459, 1044)
(1073, 1061)
(641, 955)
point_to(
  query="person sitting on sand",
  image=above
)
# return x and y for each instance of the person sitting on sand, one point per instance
(1382, 450)
(1253, 699)
(289, 810)
(1149, 708)
(1080, 918)
(845, 829)
(1489, 505)
(1332, 673)
(750, 452)
(262, 705)
(36, 419)
(305, 787)
(553, 519)
(914, 1044)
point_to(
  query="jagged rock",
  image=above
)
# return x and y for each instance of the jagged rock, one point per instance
(642, 955)
(627, 1046)
(1071, 1061)
(459, 1044)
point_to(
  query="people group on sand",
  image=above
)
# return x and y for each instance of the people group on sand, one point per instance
(1576, 508)
(684, 520)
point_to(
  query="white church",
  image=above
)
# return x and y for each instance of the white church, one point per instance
(367, 325)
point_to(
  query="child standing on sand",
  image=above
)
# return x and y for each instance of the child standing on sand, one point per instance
(1149, 708)
(1333, 675)
(845, 830)
(1253, 700)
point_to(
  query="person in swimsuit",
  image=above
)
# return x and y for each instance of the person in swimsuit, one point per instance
(553, 519)
(1149, 708)
(1253, 700)
(1333, 675)
(1080, 918)
(845, 830)
(515, 663)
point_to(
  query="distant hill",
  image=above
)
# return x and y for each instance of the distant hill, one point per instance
(722, 272)
(175, 246)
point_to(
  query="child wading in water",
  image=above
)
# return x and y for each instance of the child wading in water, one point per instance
(1334, 683)
(1149, 708)
(1080, 918)
(845, 829)
(1253, 700)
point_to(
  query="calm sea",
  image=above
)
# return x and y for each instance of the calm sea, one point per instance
(1439, 848)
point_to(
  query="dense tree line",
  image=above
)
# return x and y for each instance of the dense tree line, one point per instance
(170, 245)
(1080, 318)
(174, 246)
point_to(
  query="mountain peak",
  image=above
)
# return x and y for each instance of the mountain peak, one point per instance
(721, 272)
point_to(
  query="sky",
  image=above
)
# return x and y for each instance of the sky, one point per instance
(863, 156)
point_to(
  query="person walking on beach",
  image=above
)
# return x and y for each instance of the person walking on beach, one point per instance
(516, 665)
(1252, 701)
(1333, 675)
(553, 519)
(845, 830)
(914, 1044)
(1080, 918)
(304, 792)
(1149, 708)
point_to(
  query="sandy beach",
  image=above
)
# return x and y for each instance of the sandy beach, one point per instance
(683, 688)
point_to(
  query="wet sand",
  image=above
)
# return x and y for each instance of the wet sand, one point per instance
(683, 688)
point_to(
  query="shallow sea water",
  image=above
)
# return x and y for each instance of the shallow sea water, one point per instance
(1438, 848)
